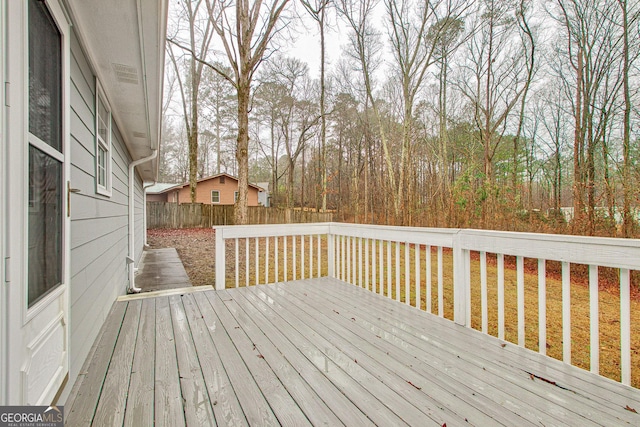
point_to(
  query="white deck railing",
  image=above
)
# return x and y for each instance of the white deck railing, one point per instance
(403, 262)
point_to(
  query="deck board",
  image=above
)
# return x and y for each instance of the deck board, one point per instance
(510, 363)
(322, 352)
(466, 401)
(168, 403)
(85, 400)
(139, 409)
(226, 407)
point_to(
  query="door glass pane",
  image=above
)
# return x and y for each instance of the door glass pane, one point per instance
(45, 75)
(45, 224)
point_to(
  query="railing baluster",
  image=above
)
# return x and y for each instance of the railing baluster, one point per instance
(566, 312)
(336, 258)
(319, 263)
(428, 278)
(520, 299)
(483, 292)
(374, 279)
(625, 326)
(397, 271)
(407, 282)
(354, 264)
(418, 284)
(246, 261)
(349, 261)
(381, 266)
(266, 260)
(295, 263)
(311, 256)
(360, 266)
(501, 296)
(286, 258)
(389, 284)
(257, 263)
(440, 284)
(542, 306)
(594, 341)
(237, 269)
(366, 264)
(277, 260)
(302, 257)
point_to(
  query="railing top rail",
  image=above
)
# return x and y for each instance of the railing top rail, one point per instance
(416, 235)
(601, 251)
(271, 230)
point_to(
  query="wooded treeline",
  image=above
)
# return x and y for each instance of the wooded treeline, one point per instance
(488, 114)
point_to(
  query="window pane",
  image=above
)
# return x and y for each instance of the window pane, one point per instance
(45, 224)
(102, 166)
(45, 76)
(215, 196)
(103, 120)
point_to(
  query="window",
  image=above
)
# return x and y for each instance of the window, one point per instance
(222, 179)
(103, 145)
(46, 153)
(215, 196)
(235, 197)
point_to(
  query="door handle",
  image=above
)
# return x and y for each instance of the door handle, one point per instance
(69, 191)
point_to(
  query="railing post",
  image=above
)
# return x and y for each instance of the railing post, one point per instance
(461, 285)
(331, 255)
(220, 260)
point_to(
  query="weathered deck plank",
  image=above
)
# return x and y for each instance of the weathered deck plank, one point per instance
(409, 373)
(226, 407)
(309, 402)
(279, 399)
(322, 352)
(508, 366)
(85, 399)
(111, 408)
(197, 406)
(355, 383)
(256, 409)
(310, 372)
(139, 409)
(168, 408)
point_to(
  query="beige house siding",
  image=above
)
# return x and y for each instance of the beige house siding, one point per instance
(204, 188)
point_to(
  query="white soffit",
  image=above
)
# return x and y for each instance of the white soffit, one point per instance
(124, 40)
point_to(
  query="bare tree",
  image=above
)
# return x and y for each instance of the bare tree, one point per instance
(318, 11)
(199, 38)
(245, 30)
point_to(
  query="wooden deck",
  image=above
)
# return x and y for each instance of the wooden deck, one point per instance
(322, 352)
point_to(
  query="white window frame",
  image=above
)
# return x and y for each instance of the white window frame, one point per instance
(101, 144)
(218, 192)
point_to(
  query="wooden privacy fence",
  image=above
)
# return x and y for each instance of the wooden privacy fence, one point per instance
(199, 215)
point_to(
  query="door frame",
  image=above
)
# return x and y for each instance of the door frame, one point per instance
(28, 327)
(3, 207)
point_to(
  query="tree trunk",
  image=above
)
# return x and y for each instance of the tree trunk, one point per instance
(242, 153)
(578, 206)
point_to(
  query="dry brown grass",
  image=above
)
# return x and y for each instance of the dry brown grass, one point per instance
(196, 248)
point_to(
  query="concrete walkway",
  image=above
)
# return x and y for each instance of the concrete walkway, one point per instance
(161, 269)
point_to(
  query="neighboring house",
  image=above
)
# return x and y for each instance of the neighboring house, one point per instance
(158, 193)
(264, 195)
(221, 189)
(80, 123)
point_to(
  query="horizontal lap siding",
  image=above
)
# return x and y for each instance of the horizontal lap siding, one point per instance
(99, 224)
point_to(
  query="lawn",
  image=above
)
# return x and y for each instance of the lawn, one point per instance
(196, 248)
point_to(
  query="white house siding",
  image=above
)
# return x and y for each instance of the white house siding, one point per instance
(99, 224)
